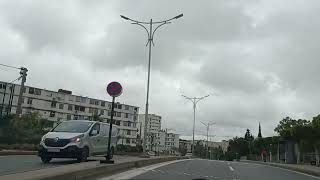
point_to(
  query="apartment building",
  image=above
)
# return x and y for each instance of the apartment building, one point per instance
(168, 142)
(153, 129)
(63, 105)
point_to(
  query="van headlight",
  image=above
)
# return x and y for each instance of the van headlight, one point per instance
(76, 139)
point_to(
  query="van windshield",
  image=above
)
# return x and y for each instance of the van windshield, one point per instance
(72, 126)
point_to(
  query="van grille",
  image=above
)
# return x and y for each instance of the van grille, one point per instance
(53, 142)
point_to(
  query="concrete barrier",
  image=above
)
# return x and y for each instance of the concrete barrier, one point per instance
(104, 170)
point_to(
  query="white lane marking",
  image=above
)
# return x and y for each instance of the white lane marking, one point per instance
(231, 169)
(187, 174)
(135, 172)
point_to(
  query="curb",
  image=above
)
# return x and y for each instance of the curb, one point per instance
(100, 171)
(8, 153)
(284, 166)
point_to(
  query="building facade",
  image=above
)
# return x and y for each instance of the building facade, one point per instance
(153, 129)
(63, 105)
(168, 142)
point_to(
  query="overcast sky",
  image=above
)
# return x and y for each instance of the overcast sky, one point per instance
(258, 59)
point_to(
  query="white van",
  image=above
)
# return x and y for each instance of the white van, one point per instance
(77, 139)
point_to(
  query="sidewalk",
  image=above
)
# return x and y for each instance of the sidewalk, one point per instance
(308, 169)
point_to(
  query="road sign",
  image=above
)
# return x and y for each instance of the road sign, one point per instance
(114, 89)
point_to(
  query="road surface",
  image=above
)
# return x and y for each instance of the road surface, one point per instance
(21, 163)
(209, 169)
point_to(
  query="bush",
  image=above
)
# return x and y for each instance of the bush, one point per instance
(128, 148)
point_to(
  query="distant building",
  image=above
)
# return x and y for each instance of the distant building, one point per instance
(169, 142)
(185, 144)
(63, 105)
(153, 129)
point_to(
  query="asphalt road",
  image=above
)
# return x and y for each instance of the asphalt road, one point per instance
(208, 169)
(21, 163)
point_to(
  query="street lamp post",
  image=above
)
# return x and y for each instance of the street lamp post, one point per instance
(207, 126)
(150, 34)
(194, 101)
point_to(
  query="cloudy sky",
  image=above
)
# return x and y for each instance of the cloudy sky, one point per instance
(258, 59)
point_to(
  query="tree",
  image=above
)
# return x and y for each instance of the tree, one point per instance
(248, 136)
(259, 134)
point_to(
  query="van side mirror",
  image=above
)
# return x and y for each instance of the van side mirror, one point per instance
(94, 132)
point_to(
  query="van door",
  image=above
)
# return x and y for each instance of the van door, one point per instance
(95, 138)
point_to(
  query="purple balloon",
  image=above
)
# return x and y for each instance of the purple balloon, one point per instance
(114, 89)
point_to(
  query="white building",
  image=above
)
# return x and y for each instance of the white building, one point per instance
(63, 105)
(169, 142)
(153, 128)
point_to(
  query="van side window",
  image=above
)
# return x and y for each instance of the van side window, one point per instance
(96, 127)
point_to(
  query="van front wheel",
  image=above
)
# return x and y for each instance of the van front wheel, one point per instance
(45, 159)
(83, 157)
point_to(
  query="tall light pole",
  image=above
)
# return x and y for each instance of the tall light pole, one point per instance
(150, 34)
(208, 126)
(194, 101)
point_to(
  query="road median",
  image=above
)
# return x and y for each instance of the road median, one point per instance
(307, 169)
(15, 152)
(89, 170)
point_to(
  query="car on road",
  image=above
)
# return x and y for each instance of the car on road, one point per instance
(77, 139)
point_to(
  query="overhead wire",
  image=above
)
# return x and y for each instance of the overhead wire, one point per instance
(8, 66)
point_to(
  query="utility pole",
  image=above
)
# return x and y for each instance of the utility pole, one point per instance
(208, 126)
(150, 34)
(194, 101)
(23, 74)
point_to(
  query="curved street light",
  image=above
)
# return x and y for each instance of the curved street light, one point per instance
(150, 34)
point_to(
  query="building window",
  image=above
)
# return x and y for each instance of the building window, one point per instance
(101, 112)
(52, 114)
(29, 101)
(79, 108)
(109, 113)
(103, 104)
(129, 123)
(69, 117)
(3, 86)
(128, 132)
(128, 141)
(37, 92)
(117, 123)
(82, 109)
(96, 103)
(61, 106)
(70, 98)
(125, 123)
(126, 115)
(126, 107)
(135, 117)
(90, 110)
(83, 99)
(91, 101)
(54, 104)
(78, 98)
(119, 106)
(31, 90)
(135, 109)
(118, 114)
(70, 107)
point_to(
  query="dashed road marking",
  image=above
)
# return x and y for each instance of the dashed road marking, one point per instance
(231, 169)
(187, 174)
